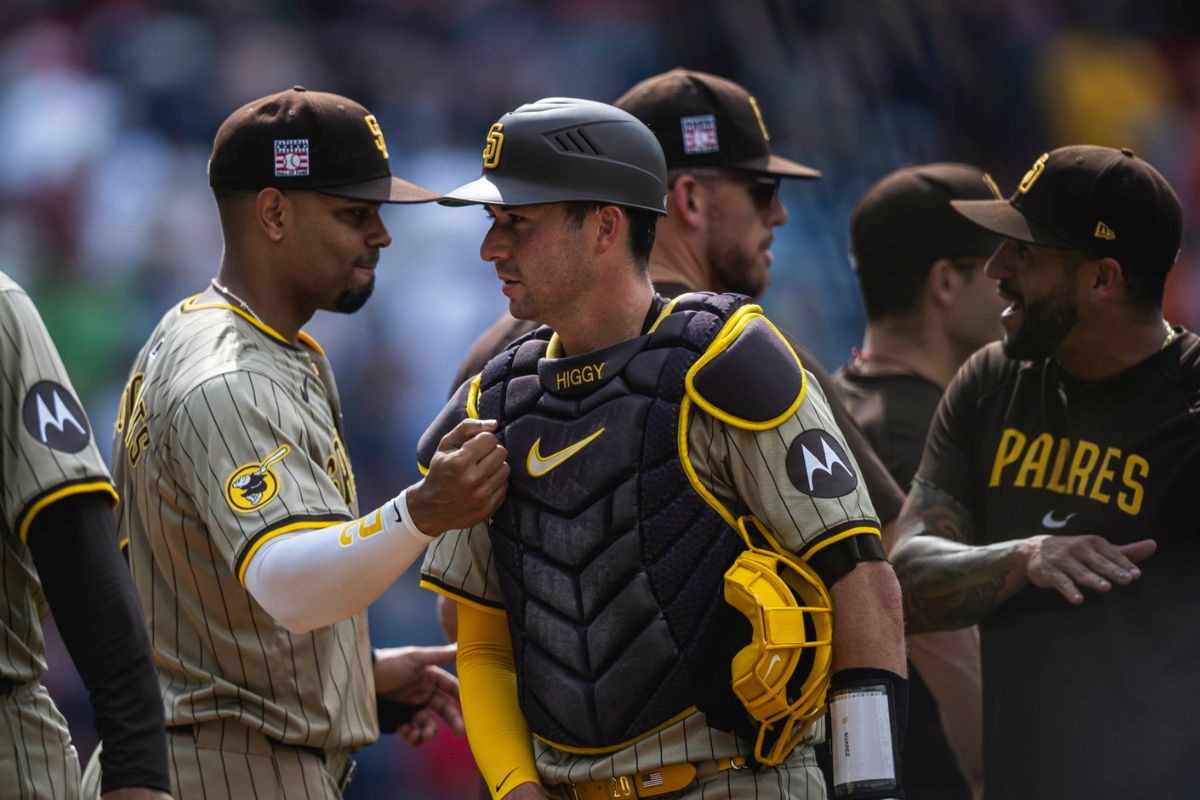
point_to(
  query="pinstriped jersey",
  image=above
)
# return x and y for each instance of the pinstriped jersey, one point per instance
(796, 476)
(47, 453)
(227, 436)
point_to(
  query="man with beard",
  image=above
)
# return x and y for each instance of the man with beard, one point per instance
(252, 562)
(1056, 466)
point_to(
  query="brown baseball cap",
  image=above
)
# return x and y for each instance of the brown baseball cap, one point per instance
(1105, 202)
(905, 218)
(703, 120)
(317, 141)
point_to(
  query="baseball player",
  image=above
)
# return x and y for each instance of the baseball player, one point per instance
(677, 482)
(60, 554)
(929, 307)
(251, 558)
(1057, 465)
(722, 204)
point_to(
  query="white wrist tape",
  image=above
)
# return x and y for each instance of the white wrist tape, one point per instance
(311, 578)
(861, 740)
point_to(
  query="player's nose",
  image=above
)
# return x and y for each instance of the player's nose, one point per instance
(496, 246)
(1000, 264)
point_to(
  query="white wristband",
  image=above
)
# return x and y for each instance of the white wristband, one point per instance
(404, 519)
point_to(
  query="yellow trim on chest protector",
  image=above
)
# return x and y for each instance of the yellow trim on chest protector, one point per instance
(728, 335)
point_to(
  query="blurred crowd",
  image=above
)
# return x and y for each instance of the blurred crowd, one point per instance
(107, 112)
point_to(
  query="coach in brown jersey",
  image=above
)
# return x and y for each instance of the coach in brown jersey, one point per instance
(253, 563)
(1056, 502)
(60, 554)
(929, 307)
(659, 446)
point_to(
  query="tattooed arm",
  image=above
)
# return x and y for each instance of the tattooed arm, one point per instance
(946, 582)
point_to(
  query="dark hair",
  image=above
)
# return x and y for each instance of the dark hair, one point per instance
(1144, 286)
(643, 225)
(892, 292)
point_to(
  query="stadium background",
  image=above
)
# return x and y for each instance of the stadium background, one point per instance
(107, 111)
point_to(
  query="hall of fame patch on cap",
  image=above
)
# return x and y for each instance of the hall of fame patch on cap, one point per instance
(818, 465)
(700, 134)
(54, 417)
(291, 158)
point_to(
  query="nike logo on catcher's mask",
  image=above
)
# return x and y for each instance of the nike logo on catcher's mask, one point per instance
(538, 465)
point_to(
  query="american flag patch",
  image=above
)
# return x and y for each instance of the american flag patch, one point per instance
(291, 157)
(699, 134)
(651, 779)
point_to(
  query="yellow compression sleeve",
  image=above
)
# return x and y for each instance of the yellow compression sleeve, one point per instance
(499, 735)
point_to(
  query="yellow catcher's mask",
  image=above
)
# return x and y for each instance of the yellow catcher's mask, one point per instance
(782, 676)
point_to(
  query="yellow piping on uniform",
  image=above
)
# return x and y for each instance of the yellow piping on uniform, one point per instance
(473, 396)
(458, 598)
(554, 347)
(685, 408)
(59, 494)
(821, 545)
(666, 312)
(728, 335)
(588, 751)
(295, 526)
(191, 305)
(124, 543)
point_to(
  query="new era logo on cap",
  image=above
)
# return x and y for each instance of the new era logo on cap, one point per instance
(291, 157)
(700, 134)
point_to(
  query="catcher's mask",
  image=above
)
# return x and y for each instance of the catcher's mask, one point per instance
(782, 676)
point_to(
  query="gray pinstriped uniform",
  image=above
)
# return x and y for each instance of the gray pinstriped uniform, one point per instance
(227, 436)
(746, 471)
(37, 759)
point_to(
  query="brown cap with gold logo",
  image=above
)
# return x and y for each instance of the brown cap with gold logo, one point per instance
(317, 141)
(1106, 202)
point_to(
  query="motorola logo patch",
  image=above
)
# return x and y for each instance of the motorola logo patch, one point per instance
(817, 465)
(54, 417)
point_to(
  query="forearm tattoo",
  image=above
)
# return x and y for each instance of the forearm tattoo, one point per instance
(947, 582)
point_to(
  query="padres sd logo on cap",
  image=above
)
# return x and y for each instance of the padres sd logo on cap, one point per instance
(253, 485)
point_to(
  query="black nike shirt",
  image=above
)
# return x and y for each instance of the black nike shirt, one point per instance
(1097, 700)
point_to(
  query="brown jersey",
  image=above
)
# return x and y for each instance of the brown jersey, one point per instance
(227, 436)
(47, 453)
(1095, 700)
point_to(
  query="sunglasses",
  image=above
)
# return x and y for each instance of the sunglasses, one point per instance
(763, 189)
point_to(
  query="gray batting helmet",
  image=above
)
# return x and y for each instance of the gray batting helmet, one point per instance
(561, 149)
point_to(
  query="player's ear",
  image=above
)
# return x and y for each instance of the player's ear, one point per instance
(685, 201)
(1105, 277)
(269, 208)
(942, 281)
(611, 223)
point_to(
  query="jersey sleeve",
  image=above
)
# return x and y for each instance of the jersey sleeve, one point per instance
(798, 478)
(240, 446)
(459, 565)
(948, 461)
(48, 451)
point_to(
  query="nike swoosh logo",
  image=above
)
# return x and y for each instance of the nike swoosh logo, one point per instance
(396, 509)
(538, 465)
(506, 777)
(1050, 522)
(774, 660)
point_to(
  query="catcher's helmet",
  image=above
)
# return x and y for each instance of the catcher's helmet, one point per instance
(781, 677)
(561, 149)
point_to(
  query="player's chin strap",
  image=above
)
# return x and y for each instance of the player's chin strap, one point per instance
(781, 677)
(868, 712)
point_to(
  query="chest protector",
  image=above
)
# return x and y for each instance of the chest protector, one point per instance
(611, 565)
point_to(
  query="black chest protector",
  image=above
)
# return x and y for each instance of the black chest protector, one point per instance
(610, 562)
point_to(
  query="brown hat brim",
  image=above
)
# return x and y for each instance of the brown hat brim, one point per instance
(1000, 216)
(777, 165)
(385, 189)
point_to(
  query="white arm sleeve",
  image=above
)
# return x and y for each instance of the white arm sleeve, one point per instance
(308, 579)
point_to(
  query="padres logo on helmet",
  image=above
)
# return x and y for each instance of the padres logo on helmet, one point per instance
(782, 676)
(253, 485)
